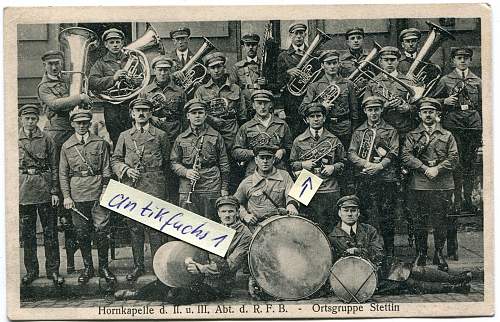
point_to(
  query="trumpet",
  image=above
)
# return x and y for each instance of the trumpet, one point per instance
(196, 167)
(359, 77)
(367, 142)
(320, 151)
(329, 94)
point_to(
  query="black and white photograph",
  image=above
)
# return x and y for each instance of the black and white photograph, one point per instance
(336, 154)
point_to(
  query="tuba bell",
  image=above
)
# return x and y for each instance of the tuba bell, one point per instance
(76, 42)
(137, 67)
(359, 77)
(421, 70)
(309, 65)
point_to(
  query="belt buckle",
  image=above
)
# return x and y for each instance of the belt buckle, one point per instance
(85, 173)
(432, 163)
(464, 107)
(31, 171)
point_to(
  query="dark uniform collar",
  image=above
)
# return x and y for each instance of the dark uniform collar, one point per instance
(307, 134)
(206, 130)
(421, 128)
(59, 79)
(211, 83)
(171, 84)
(381, 125)
(339, 232)
(73, 140)
(291, 49)
(244, 62)
(274, 119)
(150, 129)
(110, 57)
(337, 79)
(37, 133)
(455, 75)
(274, 175)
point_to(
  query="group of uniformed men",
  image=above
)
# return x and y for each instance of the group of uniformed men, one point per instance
(231, 138)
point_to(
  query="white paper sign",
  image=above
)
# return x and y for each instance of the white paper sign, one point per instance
(168, 218)
(305, 187)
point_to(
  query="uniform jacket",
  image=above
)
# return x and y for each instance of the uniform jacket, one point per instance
(405, 63)
(101, 73)
(245, 74)
(305, 142)
(154, 147)
(249, 135)
(349, 62)
(214, 173)
(367, 239)
(338, 119)
(387, 140)
(286, 60)
(37, 153)
(79, 181)
(441, 152)
(250, 193)
(177, 61)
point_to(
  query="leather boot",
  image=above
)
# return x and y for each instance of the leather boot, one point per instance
(462, 278)
(455, 288)
(421, 245)
(439, 260)
(138, 253)
(70, 260)
(88, 265)
(125, 295)
(135, 274)
(102, 253)
(57, 279)
(29, 278)
(452, 242)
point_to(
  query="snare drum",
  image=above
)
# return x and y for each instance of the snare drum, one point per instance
(353, 279)
(289, 257)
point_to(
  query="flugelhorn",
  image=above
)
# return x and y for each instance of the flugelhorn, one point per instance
(309, 65)
(316, 154)
(359, 77)
(328, 95)
(421, 70)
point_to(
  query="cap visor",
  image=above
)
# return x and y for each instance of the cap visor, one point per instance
(215, 62)
(163, 65)
(81, 118)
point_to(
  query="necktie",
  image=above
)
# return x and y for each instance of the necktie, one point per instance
(30, 134)
(183, 60)
(352, 233)
(142, 130)
(463, 74)
(316, 135)
(83, 140)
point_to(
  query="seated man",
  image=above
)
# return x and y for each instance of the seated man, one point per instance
(218, 275)
(351, 238)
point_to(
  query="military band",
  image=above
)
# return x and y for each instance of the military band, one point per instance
(357, 122)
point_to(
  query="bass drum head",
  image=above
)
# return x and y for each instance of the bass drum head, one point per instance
(289, 257)
(353, 279)
(169, 266)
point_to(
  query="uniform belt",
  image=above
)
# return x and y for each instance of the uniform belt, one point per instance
(338, 119)
(251, 86)
(32, 171)
(431, 163)
(84, 173)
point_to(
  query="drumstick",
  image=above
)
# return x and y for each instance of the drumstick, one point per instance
(366, 280)
(345, 288)
(80, 213)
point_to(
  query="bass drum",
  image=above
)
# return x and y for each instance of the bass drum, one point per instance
(289, 257)
(353, 279)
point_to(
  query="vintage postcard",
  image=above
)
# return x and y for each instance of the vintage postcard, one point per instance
(253, 162)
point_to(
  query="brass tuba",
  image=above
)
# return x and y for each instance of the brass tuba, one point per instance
(421, 70)
(137, 67)
(76, 42)
(359, 77)
(309, 65)
(194, 72)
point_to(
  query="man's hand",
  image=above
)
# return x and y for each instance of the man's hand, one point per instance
(308, 165)
(192, 174)
(261, 81)
(180, 76)
(372, 168)
(281, 114)
(68, 203)
(292, 210)
(394, 103)
(250, 218)
(192, 266)
(431, 172)
(55, 200)
(279, 154)
(352, 251)
(121, 73)
(133, 174)
(451, 100)
(294, 72)
(328, 170)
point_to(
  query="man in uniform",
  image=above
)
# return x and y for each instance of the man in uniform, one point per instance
(104, 74)
(431, 153)
(218, 274)
(354, 39)
(286, 70)
(409, 39)
(38, 193)
(342, 113)
(351, 237)
(263, 129)
(200, 160)
(84, 173)
(246, 72)
(181, 54)
(140, 160)
(53, 94)
(326, 162)
(373, 151)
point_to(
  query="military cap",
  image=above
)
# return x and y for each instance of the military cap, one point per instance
(214, 58)
(80, 114)
(29, 109)
(372, 101)
(313, 108)
(162, 61)
(141, 102)
(429, 103)
(354, 31)
(53, 55)
(112, 33)
(265, 149)
(297, 26)
(250, 38)
(390, 51)
(348, 201)
(328, 55)
(194, 104)
(461, 51)
(262, 95)
(410, 33)
(227, 200)
(180, 32)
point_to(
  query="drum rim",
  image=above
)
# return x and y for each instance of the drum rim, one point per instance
(274, 218)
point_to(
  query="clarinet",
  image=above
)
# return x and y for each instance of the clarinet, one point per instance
(196, 167)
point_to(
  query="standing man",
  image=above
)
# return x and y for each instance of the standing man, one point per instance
(286, 70)
(140, 160)
(84, 173)
(326, 162)
(106, 72)
(53, 94)
(431, 153)
(200, 160)
(373, 151)
(342, 113)
(181, 54)
(263, 129)
(38, 194)
(409, 39)
(354, 39)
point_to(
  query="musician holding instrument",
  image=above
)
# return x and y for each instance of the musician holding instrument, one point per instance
(409, 39)
(104, 74)
(84, 173)
(321, 152)
(38, 195)
(141, 160)
(181, 54)
(337, 95)
(373, 151)
(263, 129)
(349, 61)
(431, 153)
(200, 160)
